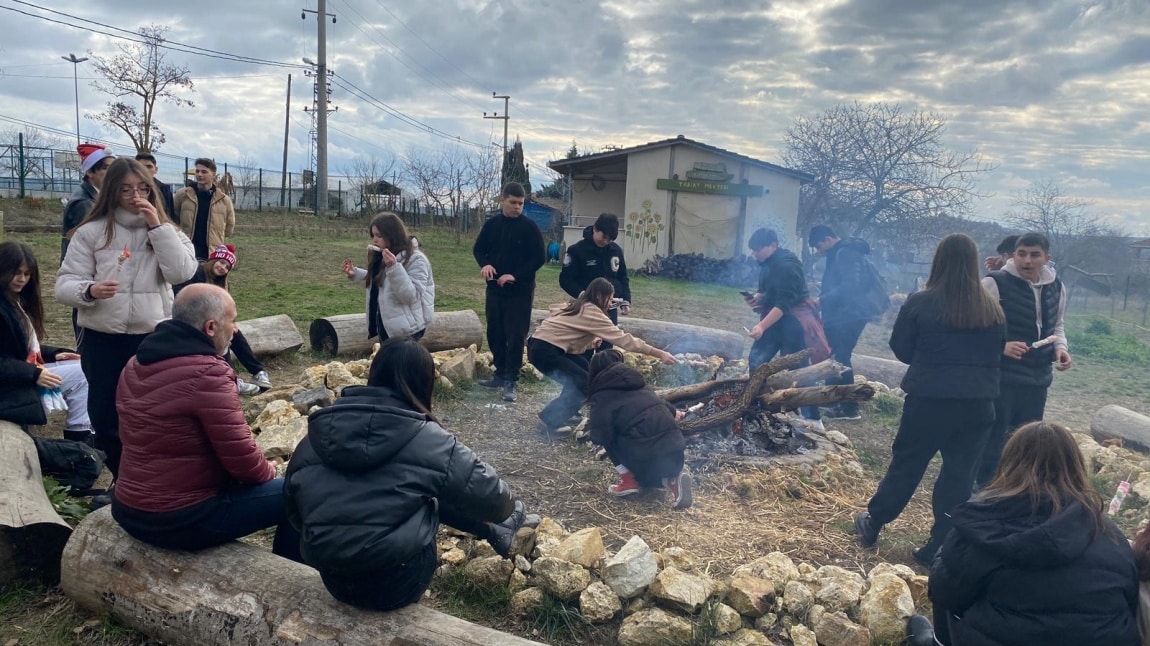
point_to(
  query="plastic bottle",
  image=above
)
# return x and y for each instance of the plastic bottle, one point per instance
(1119, 496)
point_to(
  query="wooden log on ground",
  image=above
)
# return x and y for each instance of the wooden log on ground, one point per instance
(677, 338)
(1116, 422)
(346, 334)
(32, 534)
(795, 398)
(805, 376)
(236, 594)
(884, 371)
(746, 398)
(271, 335)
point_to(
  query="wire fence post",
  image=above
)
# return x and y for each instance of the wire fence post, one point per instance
(260, 192)
(20, 169)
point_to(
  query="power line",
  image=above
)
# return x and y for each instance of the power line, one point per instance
(166, 44)
(411, 121)
(420, 38)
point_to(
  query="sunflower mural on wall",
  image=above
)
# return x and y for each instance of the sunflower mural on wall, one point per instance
(642, 228)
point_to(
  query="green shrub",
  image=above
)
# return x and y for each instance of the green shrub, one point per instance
(1099, 326)
(1124, 348)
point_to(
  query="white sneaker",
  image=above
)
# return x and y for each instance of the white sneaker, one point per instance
(245, 388)
(263, 380)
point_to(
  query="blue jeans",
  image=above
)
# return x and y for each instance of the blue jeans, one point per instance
(785, 337)
(239, 511)
(570, 370)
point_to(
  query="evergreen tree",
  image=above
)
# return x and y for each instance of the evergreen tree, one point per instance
(514, 168)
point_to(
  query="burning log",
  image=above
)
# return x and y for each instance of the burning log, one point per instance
(795, 398)
(779, 365)
(805, 376)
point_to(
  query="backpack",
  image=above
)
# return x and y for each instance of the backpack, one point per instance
(73, 464)
(875, 299)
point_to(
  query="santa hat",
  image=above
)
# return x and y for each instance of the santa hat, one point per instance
(224, 252)
(92, 154)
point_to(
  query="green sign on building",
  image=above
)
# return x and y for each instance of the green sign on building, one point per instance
(710, 178)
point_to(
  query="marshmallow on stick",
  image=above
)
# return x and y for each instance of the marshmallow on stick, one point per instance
(124, 255)
(374, 248)
(1043, 342)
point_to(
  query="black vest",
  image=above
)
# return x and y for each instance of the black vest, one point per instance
(1017, 299)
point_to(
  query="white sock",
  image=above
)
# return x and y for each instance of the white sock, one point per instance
(622, 469)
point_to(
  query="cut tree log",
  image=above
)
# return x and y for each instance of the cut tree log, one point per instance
(236, 594)
(32, 534)
(805, 376)
(746, 398)
(883, 371)
(271, 335)
(676, 338)
(795, 398)
(346, 334)
(1110, 422)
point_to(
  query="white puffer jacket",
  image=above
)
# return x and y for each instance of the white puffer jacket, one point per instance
(407, 296)
(159, 258)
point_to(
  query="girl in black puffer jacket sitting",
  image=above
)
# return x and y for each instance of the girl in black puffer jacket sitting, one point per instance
(376, 474)
(638, 428)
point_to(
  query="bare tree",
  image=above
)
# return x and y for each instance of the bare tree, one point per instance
(454, 179)
(35, 161)
(877, 167)
(140, 73)
(367, 176)
(1066, 221)
(247, 178)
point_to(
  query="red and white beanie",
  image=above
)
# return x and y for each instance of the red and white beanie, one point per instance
(226, 253)
(92, 154)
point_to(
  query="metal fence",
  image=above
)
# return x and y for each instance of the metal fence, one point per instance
(27, 171)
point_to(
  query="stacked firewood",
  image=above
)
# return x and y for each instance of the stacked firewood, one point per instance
(778, 386)
(695, 267)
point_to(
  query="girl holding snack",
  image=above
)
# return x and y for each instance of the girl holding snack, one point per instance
(400, 287)
(26, 364)
(121, 264)
(215, 271)
(558, 345)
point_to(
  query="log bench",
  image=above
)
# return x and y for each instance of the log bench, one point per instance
(345, 334)
(271, 335)
(32, 534)
(1116, 422)
(236, 594)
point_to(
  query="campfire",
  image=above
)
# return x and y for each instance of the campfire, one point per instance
(743, 416)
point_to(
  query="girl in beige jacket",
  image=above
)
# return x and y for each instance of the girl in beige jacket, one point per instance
(558, 345)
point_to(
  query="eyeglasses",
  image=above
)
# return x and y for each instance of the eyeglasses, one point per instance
(128, 191)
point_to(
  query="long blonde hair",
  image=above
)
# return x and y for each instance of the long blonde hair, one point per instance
(109, 198)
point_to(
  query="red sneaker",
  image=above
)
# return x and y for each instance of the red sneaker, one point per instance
(680, 488)
(625, 487)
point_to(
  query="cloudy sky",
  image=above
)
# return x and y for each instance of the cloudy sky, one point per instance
(1042, 88)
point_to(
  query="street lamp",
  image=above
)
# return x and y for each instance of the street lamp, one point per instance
(71, 58)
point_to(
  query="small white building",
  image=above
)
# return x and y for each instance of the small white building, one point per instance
(682, 196)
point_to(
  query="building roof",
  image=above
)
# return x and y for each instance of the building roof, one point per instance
(1141, 244)
(611, 160)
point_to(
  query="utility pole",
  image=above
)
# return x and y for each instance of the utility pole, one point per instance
(71, 58)
(504, 117)
(321, 110)
(287, 125)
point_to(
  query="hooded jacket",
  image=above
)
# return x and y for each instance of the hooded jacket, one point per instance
(221, 214)
(407, 296)
(843, 288)
(181, 423)
(585, 261)
(625, 411)
(576, 333)
(1019, 576)
(781, 282)
(1031, 314)
(363, 486)
(160, 257)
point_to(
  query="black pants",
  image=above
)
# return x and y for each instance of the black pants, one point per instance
(402, 585)
(508, 320)
(570, 370)
(1016, 405)
(955, 427)
(102, 358)
(843, 336)
(785, 336)
(649, 470)
(243, 352)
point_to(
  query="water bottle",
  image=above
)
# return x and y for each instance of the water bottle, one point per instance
(1119, 496)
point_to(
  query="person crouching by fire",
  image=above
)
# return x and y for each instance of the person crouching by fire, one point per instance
(639, 430)
(558, 345)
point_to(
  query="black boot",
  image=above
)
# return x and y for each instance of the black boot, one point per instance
(867, 530)
(84, 437)
(919, 631)
(925, 554)
(501, 535)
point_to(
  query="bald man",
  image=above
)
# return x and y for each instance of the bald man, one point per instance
(191, 476)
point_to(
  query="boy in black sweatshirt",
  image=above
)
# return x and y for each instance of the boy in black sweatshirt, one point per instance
(509, 250)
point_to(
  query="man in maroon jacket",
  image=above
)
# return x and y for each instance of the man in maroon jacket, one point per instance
(191, 475)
